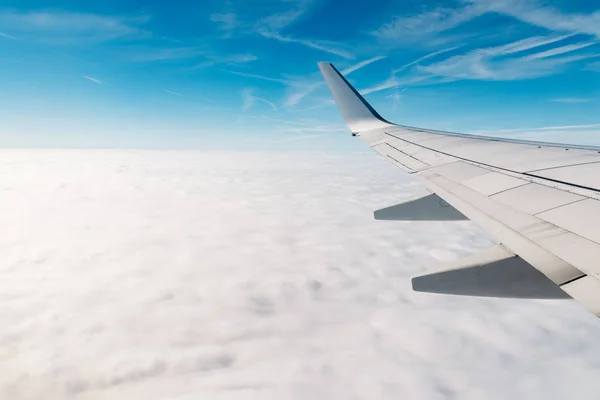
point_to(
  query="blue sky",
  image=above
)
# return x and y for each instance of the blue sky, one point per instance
(243, 74)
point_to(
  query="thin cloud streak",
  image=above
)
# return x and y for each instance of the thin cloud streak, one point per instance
(572, 100)
(7, 36)
(362, 64)
(264, 78)
(300, 88)
(173, 93)
(249, 100)
(326, 46)
(425, 57)
(544, 128)
(303, 89)
(96, 81)
(491, 63)
(560, 50)
(71, 28)
(267, 102)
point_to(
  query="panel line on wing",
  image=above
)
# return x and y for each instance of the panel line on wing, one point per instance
(563, 166)
(562, 182)
(561, 205)
(400, 151)
(497, 167)
(409, 169)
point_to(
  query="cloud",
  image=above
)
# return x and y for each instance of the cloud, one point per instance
(427, 24)
(492, 63)
(362, 64)
(240, 18)
(208, 274)
(594, 66)
(586, 134)
(396, 97)
(249, 100)
(560, 50)
(425, 57)
(261, 77)
(231, 59)
(393, 82)
(322, 45)
(173, 93)
(544, 128)
(68, 28)
(143, 54)
(7, 36)
(89, 78)
(572, 100)
(299, 89)
(538, 14)
(520, 59)
(290, 13)
(228, 22)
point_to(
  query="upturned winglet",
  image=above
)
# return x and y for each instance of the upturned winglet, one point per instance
(357, 112)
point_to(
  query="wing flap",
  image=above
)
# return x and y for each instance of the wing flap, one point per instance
(429, 207)
(495, 272)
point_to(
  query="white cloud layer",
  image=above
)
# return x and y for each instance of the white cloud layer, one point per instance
(186, 275)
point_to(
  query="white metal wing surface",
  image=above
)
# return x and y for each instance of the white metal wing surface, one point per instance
(540, 200)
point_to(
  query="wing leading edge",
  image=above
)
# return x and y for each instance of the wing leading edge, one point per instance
(540, 200)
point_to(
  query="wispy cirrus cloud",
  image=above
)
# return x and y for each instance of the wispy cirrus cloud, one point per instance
(586, 134)
(261, 77)
(225, 59)
(593, 66)
(227, 22)
(289, 12)
(249, 100)
(172, 92)
(541, 14)
(143, 54)
(198, 57)
(572, 100)
(237, 18)
(561, 50)
(437, 25)
(7, 36)
(330, 47)
(394, 81)
(543, 128)
(492, 63)
(420, 59)
(300, 87)
(270, 20)
(362, 64)
(522, 59)
(69, 28)
(419, 27)
(96, 81)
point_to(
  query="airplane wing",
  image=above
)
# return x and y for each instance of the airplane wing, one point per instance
(541, 201)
